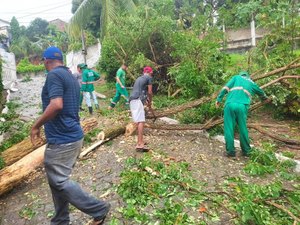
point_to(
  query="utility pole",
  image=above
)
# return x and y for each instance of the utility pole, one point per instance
(84, 51)
(253, 36)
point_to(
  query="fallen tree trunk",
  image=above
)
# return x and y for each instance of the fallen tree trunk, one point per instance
(19, 150)
(274, 136)
(259, 128)
(12, 175)
(195, 103)
(292, 65)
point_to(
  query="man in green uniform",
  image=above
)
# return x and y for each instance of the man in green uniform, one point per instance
(88, 79)
(120, 87)
(239, 90)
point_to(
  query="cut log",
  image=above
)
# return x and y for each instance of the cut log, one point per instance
(12, 175)
(103, 137)
(99, 95)
(17, 151)
(111, 133)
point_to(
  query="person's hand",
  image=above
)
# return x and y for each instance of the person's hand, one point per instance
(217, 104)
(122, 87)
(35, 135)
(269, 99)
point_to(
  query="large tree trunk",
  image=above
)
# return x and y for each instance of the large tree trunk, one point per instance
(18, 151)
(12, 175)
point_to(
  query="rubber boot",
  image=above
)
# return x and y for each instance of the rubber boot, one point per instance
(91, 110)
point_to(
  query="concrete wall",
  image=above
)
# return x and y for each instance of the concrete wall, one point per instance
(9, 73)
(240, 40)
(92, 58)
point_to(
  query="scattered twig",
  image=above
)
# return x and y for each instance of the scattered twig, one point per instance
(284, 209)
(176, 92)
(152, 50)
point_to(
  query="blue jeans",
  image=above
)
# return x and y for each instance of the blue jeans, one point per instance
(59, 162)
(88, 96)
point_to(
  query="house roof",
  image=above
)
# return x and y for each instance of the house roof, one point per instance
(60, 24)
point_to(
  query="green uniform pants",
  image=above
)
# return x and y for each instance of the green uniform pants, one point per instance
(236, 113)
(120, 92)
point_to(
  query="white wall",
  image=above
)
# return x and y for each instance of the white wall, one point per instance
(92, 58)
(9, 73)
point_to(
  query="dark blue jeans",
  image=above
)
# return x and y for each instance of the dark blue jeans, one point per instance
(59, 162)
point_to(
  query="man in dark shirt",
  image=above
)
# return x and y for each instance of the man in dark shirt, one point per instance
(60, 98)
(141, 94)
(78, 77)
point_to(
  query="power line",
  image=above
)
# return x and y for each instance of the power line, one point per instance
(39, 6)
(44, 11)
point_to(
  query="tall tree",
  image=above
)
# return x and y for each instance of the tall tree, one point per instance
(108, 13)
(37, 28)
(15, 29)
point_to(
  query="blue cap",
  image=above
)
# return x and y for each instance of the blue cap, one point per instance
(53, 53)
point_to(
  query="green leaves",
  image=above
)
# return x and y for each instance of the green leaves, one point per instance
(24, 66)
(155, 188)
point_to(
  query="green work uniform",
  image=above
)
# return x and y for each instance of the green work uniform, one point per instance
(239, 90)
(89, 76)
(119, 90)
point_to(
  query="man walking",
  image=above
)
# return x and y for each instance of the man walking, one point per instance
(120, 87)
(78, 77)
(239, 90)
(141, 94)
(60, 98)
(88, 79)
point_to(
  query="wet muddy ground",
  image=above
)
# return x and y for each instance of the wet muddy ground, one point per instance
(99, 172)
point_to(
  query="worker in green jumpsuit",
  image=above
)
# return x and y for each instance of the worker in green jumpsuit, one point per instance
(120, 87)
(88, 79)
(239, 90)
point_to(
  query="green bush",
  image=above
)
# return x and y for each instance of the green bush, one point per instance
(25, 66)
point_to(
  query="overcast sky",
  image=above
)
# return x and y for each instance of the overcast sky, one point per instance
(27, 10)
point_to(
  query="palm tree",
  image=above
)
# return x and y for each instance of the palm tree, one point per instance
(109, 10)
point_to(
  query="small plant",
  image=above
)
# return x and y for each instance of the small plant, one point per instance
(27, 213)
(24, 66)
(26, 78)
(289, 154)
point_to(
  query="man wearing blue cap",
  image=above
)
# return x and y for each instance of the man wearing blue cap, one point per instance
(60, 98)
(239, 90)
